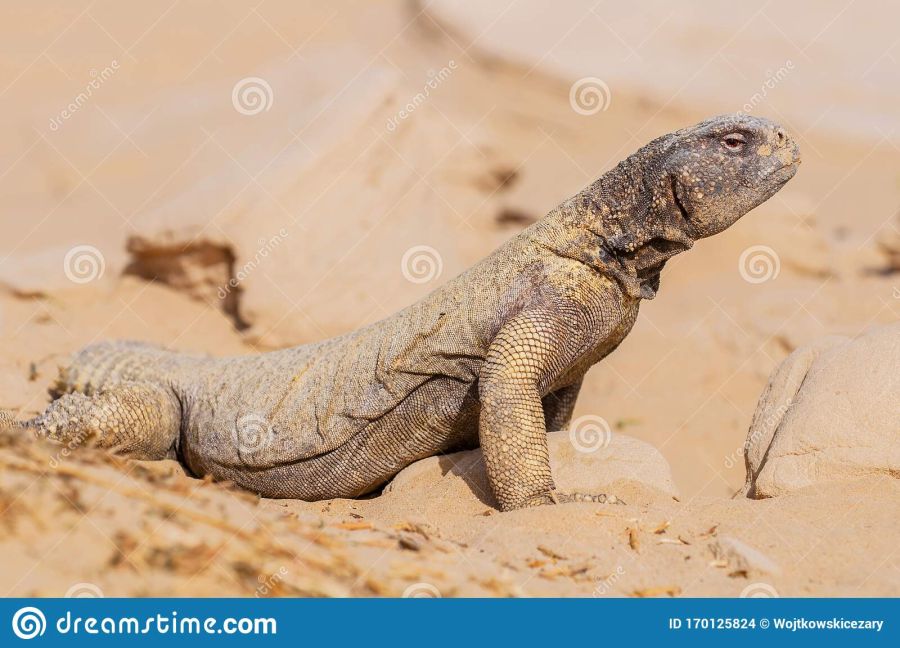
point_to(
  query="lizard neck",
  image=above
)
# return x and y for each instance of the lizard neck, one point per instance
(625, 225)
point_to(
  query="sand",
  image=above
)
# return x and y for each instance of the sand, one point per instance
(159, 157)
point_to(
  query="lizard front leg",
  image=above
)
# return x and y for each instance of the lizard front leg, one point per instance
(528, 353)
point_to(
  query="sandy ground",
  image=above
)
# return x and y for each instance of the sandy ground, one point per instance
(160, 152)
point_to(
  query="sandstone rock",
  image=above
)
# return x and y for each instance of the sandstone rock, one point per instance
(830, 412)
(623, 458)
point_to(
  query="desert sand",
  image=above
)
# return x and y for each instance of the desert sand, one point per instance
(170, 208)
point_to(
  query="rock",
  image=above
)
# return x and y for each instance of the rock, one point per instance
(830, 412)
(621, 459)
(742, 558)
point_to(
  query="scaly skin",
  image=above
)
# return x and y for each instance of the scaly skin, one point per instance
(496, 356)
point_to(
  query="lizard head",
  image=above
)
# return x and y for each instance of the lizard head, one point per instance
(717, 171)
(677, 189)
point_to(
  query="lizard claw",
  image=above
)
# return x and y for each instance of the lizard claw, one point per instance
(563, 497)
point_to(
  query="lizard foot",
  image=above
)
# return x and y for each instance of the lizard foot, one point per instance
(564, 497)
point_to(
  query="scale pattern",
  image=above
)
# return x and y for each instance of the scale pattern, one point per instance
(493, 357)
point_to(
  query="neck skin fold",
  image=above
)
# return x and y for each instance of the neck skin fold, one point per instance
(620, 226)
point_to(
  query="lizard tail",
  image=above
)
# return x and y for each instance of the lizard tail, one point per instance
(7, 420)
(106, 363)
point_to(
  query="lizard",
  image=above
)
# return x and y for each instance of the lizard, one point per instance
(494, 357)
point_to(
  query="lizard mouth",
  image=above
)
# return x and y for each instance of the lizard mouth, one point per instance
(682, 210)
(784, 173)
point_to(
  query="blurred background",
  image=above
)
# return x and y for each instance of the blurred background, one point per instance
(229, 177)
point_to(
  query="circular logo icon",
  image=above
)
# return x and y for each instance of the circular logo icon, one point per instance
(28, 623)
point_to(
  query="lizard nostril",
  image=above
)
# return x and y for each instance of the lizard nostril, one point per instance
(780, 136)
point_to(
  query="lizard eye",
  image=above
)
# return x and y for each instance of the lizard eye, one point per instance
(734, 141)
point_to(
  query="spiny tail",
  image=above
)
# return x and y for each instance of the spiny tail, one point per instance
(107, 363)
